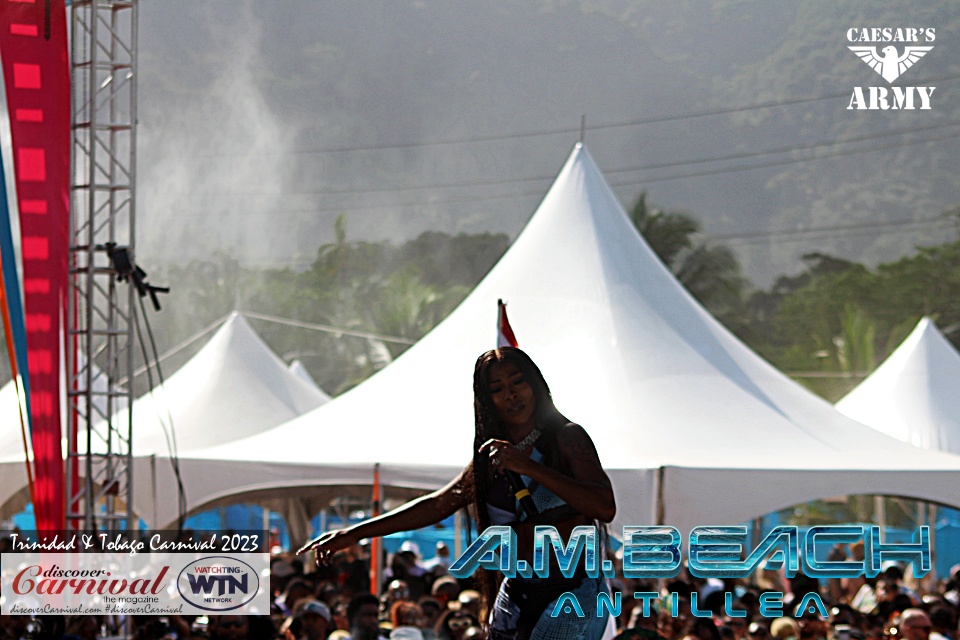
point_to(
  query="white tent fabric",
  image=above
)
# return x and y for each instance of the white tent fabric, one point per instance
(693, 426)
(11, 440)
(296, 367)
(13, 473)
(14, 485)
(234, 387)
(914, 395)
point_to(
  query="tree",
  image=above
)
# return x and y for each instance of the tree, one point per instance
(708, 270)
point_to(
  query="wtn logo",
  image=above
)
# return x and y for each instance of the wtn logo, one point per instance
(890, 64)
(224, 584)
(219, 583)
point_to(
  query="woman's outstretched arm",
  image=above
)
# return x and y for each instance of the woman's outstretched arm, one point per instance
(423, 511)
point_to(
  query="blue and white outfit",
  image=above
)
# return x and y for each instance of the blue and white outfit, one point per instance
(523, 606)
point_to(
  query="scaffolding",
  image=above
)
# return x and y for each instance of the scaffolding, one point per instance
(101, 313)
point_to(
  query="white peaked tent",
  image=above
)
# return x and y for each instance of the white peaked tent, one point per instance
(296, 367)
(914, 395)
(234, 387)
(693, 426)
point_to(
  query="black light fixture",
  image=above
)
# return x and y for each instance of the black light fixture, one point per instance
(121, 259)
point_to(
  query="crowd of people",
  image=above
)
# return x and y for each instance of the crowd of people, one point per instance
(421, 601)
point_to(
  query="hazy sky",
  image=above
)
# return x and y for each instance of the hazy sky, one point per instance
(261, 122)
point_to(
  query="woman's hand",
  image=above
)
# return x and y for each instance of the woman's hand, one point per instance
(505, 457)
(327, 544)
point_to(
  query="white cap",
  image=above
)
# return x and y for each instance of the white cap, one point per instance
(406, 633)
(410, 545)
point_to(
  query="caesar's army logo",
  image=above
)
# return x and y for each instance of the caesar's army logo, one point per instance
(883, 56)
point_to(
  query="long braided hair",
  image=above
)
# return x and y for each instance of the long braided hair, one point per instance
(487, 425)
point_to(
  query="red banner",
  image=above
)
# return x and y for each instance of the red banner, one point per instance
(36, 71)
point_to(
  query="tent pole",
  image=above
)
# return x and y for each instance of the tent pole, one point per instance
(153, 482)
(932, 521)
(880, 513)
(458, 533)
(661, 508)
(376, 557)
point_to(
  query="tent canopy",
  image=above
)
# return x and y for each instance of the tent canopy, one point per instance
(693, 426)
(235, 386)
(914, 395)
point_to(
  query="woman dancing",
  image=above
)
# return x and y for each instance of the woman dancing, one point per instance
(520, 436)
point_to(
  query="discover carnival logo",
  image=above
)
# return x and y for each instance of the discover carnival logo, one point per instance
(878, 48)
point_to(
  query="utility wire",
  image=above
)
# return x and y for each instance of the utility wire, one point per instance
(328, 328)
(647, 167)
(676, 117)
(787, 149)
(176, 349)
(778, 163)
(249, 314)
(820, 233)
(760, 235)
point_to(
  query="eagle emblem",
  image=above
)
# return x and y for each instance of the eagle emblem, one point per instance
(888, 63)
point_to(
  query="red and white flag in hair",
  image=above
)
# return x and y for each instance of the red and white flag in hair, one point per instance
(505, 337)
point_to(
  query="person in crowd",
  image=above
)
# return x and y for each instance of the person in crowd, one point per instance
(944, 622)
(849, 587)
(15, 626)
(405, 567)
(750, 603)
(637, 619)
(453, 624)
(315, 619)
(397, 591)
(353, 569)
(812, 626)
(229, 627)
(784, 628)
(469, 601)
(726, 633)
(914, 624)
(362, 617)
(445, 590)
(518, 432)
(297, 589)
(757, 630)
(82, 627)
(700, 629)
(737, 625)
(894, 572)
(439, 564)
(430, 610)
(406, 615)
(889, 598)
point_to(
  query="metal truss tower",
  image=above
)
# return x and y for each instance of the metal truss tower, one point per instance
(101, 315)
